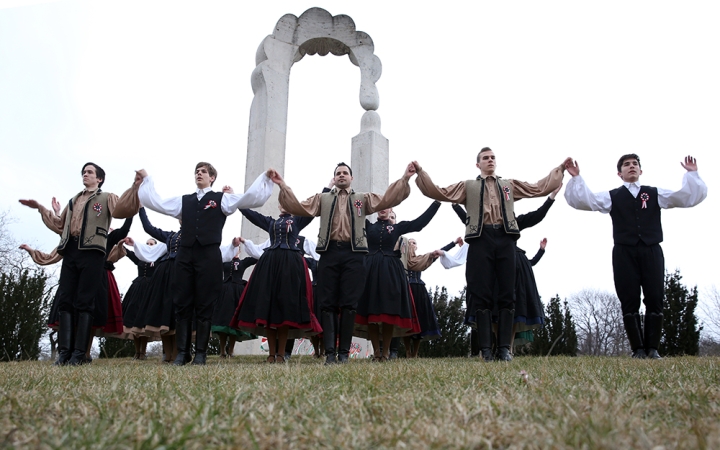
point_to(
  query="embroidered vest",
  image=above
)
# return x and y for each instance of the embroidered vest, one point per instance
(95, 223)
(328, 203)
(475, 193)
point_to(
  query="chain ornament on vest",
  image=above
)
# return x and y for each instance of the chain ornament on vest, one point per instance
(644, 197)
(211, 204)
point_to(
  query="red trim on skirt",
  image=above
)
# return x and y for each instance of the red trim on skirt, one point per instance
(114, 323)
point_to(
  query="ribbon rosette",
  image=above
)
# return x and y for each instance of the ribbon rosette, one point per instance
(211, 204)
(289, 223)
(97, 207)
(644, 197)
(390, 228)
(358, 206)
(506, 190)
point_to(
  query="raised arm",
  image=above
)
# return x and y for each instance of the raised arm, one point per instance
(119, 234)
(533, 218)
(460, 211)
(540, 252)
(393, 196)
(421, 222)
(51, 220)
(256, 195)
(692, 192)
(455, 193)
(257, 219)
(579, 196)
(128, 204)
(290, 203)
(41, 258)
(149, 198)
(552, 181)
(157, 233)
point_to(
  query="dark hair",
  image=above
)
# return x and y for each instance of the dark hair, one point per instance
(342, 164)
(99, 172)
(211, 170)
(484, 149)
(625, 157)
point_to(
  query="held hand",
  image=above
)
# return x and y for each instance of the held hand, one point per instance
(236, 242)
(332, 183)
(554, 193)
(543, 243)
(139, 177)
(274, 176)
(30, 203)
(572, 167)
(129, 241)
(56, 206)
(409, 171)
(227, 190)
(26, 248)
(459, 241)
(242, 240)
(437, 253)
(418, 169)
(690, 164)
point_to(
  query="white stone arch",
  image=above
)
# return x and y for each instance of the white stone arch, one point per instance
(316, 31)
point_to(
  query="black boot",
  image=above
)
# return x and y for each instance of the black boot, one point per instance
(289, 348)
(505, 334)
(183, 335)
(202, 337)
(474, 349)
(483, 319)
(634, 334)
(653, 330)
(82, 339)
(327, 321)
(347, 326)
(65, 338)
(394, 346)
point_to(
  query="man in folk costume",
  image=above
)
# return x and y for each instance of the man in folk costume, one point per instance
(343, 245)
(83, 226)
(638, 261)
(198, 271)
(491, 231)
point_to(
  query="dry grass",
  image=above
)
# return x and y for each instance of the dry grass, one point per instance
(442, 403)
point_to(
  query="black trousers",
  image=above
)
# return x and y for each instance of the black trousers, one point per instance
(198, 281)
(81, 278)
(340, 277)
(639, 267)
(491, 262)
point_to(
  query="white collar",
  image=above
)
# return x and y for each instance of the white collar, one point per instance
(627, 184)
(202, 192)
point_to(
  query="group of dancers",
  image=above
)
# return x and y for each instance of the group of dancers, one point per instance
(360, 278)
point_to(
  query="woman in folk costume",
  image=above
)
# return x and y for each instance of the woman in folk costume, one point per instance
(386, 306)
(156, 312)
(139, 289)
(277, 301)
(415, 264)
(233, 286)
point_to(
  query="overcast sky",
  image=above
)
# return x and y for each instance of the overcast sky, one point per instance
(162, 85)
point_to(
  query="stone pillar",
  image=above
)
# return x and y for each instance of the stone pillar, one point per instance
(370, 156)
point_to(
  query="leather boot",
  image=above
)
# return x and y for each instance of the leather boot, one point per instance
(289, 348)
(634, 334)
(82, 338)
(653, 331)
(202, 337)
(183, 335)
(483, 320)
(347, 326)
(505, 334)
(327, 321)
(65, 338)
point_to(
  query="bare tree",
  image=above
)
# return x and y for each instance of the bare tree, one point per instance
(599, 323)
(710, 309)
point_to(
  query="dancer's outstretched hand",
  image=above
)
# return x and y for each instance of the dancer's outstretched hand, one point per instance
(275, 176)
(690, 164)
(56, 206)
(572, 167)
(543, 243)
(30, 203)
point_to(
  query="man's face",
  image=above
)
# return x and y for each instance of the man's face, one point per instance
(630, 171)
(343, 179)
(202, 178)
(90, 179)
(487, 163)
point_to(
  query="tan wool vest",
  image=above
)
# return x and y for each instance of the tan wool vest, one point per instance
(95, 223)
(475, 193)
(328, 203)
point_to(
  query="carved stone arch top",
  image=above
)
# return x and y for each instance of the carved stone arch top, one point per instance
(316, 31)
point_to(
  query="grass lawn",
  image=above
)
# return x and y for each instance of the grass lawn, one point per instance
(427, 403)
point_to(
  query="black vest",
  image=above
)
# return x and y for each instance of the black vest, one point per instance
(202, 220)
(633, 223)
